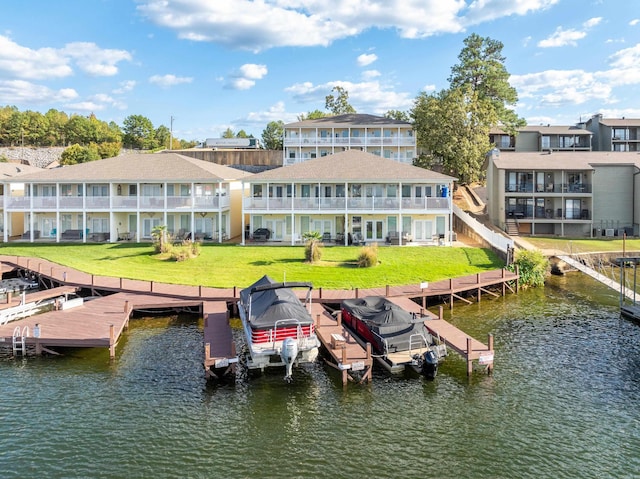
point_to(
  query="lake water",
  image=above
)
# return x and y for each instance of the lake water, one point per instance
(563, 402)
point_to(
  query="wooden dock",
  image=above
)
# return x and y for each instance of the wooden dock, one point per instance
(469, 348)
(220, 357)
(94, 324)
(343, 352)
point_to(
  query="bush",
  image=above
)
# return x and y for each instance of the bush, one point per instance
(533, 267)
(313, 246)
(368, 256)
(187, 250)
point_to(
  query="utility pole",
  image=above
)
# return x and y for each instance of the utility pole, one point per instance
(171, 135)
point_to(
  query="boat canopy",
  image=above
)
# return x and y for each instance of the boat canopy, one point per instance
(270, 301)
(380, 315)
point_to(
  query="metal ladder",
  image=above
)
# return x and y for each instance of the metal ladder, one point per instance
(18, 340)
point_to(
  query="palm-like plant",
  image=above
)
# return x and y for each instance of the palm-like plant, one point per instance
(313, 246)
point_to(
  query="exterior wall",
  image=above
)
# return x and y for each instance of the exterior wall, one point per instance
(235, 218)
(527, 141)
(613, 191)
(257, 158)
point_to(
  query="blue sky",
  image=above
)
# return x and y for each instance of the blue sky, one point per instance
(239, 64)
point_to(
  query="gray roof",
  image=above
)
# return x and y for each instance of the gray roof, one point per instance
(350, 165)
(9, 169)
(575, 160)
(348, 120)
(546, 130)
(140, 167)
(620, 121)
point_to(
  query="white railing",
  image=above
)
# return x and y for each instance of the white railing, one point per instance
(403, 140)
(496, 240)
(101, 202)
(70, 202)
(340, 203)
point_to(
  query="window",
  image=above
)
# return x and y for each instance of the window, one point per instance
(257, 191)
(619, 134)
(305, 191)
(340, 191)
(392, 223)
(133, 190)
(392, 191)
(546, 142)
(406, 191)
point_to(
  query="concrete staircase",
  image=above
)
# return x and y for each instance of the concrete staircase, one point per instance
(512, 227)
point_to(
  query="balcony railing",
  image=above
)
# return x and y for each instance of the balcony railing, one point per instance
(340, 204)
(548, 188)
(352, 140)
(70, 202)
(97, 202)
(549, 213)
(408, 159)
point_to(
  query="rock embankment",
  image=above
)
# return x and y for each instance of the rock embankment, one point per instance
(40, 157)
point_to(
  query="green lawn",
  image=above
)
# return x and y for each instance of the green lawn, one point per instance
(234, 265)
(584, 245)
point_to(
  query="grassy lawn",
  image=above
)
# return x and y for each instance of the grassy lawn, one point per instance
(233, 265)
(584, 245)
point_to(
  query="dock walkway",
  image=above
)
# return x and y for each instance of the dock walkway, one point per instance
(344, 353)
(469, 348)
(220, 357)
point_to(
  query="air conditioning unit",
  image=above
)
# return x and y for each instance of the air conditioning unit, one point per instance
(609, 232)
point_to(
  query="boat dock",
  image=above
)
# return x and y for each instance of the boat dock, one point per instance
(220, 357)
(469, 348)
(93, 324)
(343, 352)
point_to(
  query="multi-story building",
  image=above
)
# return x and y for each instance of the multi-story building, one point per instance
(542, 138)
(124, 197)
(350, 196)
(614, 134)
(385, 137)
(579, 194)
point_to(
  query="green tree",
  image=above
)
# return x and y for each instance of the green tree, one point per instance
(6, 113)
(78, 130)
(228, 133)
(138, 133)
(79, 154)
(338, 105)
(163, 135)
(108, 149)
(453, 127)
(397, 115)
(272, 135)
(312, 115)
(243, 134)
(56, 123)
(482, 69)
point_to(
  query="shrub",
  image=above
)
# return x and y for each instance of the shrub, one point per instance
(188, 249)
(533, 267)
(368, 256)
(313, 246)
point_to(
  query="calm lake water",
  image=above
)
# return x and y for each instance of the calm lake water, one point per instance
(563, 402)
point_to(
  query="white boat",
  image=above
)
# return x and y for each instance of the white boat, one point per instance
(278, 327)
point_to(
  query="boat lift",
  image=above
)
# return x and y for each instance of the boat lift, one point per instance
(629, 299)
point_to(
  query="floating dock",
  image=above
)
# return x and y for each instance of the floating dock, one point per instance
(469, 348)
(220, 357)
(343, 352)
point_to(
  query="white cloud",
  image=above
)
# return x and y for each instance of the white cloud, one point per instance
(561, 87)
(429, 88)
(368, 96)
(21, 91)
(275, 112)
(562, 37)
(634, 22)
(48, 63)
(370, 74)
(166, 81)
(319, 23)
(245, 77)
(367, 59)
(253, 71)
(86, 106)
(125, 87)
(94, 60)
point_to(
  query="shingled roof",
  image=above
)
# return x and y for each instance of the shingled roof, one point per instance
(584, 160)
(347, 120)
(350, 165)
(140, 167)
(10, 169)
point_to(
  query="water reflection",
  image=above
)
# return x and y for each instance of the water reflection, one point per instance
(562, 402)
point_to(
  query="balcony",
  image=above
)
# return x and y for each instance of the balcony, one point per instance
(97, 202)
(152, 202)
(70, 202)
(549, 188)
(369, 140)
(301, 205)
